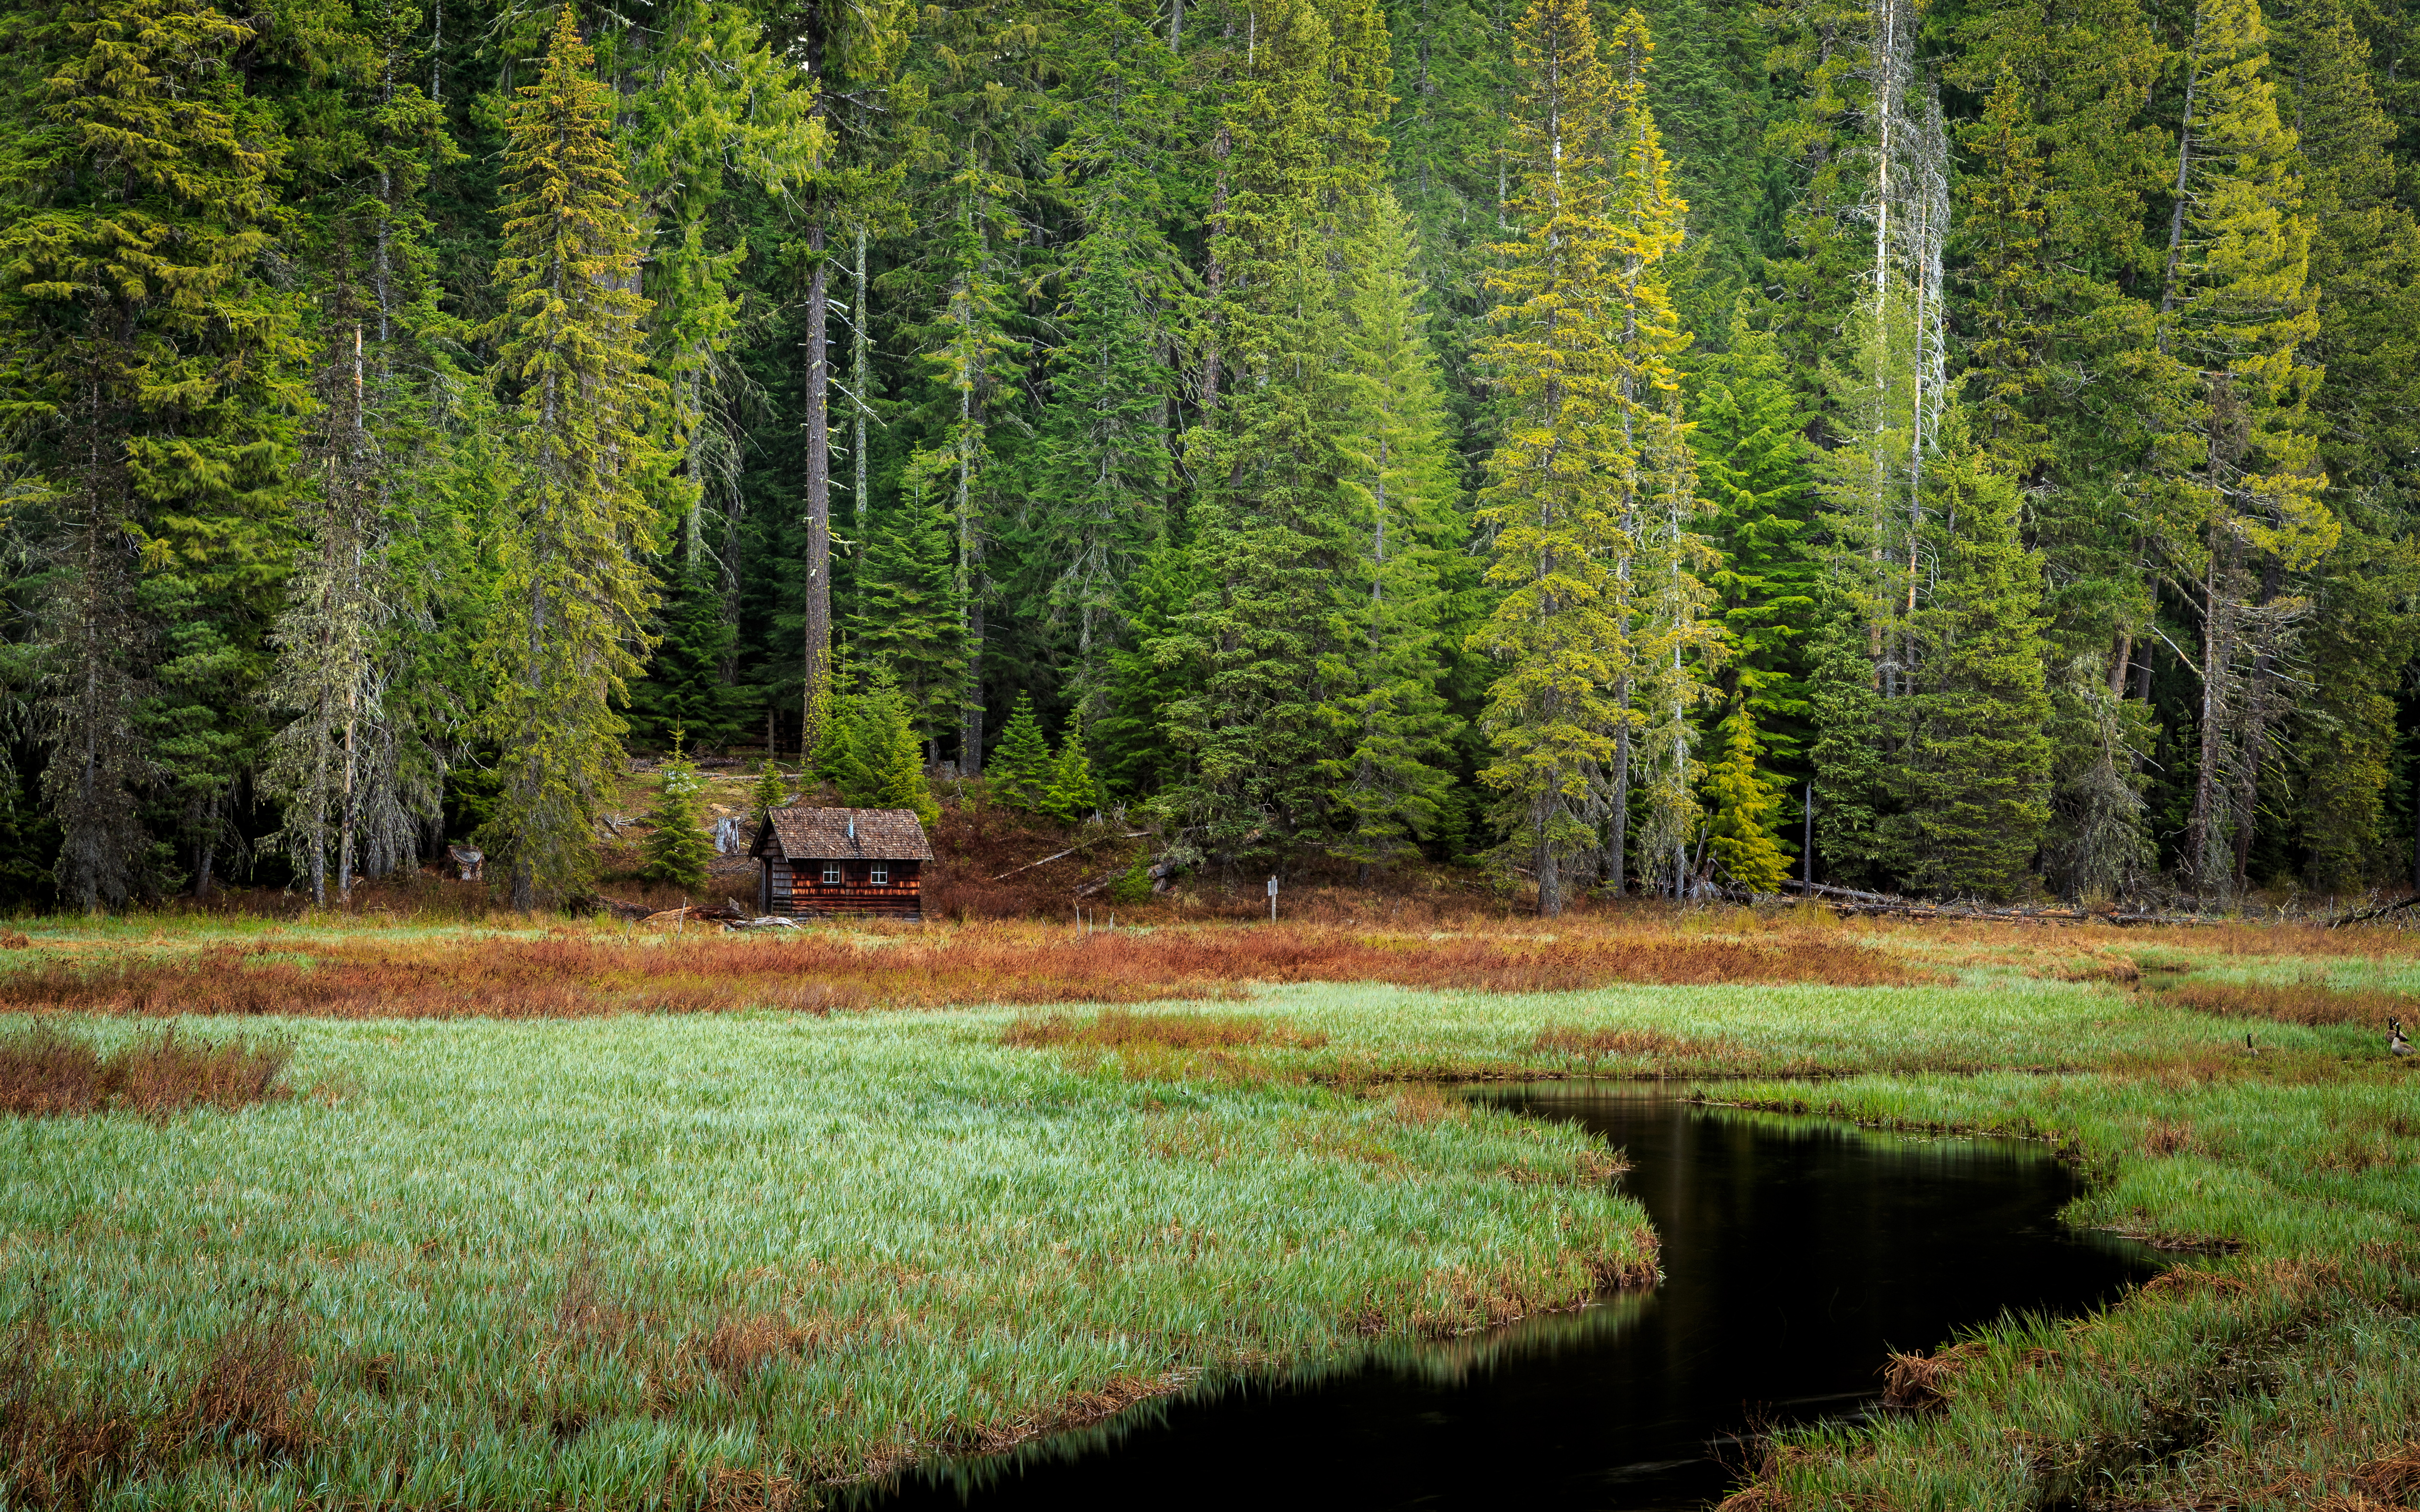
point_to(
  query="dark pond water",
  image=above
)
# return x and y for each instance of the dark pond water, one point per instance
(1796, 1254)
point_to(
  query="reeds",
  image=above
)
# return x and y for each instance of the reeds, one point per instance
(826, 971)
(248, 1398)
(2307, 1001)
(46, 1070)
(1117, 1030)
(681, 1261)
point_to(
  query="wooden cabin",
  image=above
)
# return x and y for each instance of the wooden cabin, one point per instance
(812, 862)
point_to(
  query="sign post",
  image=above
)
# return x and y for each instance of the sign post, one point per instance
(1273, 900)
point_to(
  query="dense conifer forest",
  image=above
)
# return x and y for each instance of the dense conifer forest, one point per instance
(1568, 439)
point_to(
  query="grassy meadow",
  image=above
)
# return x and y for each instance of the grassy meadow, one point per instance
(573, 1215)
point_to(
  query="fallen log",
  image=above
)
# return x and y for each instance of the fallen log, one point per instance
(1849, 900)
(2375, 911)
(1140, 834)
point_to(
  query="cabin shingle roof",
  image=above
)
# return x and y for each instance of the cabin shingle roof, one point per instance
(823, 835)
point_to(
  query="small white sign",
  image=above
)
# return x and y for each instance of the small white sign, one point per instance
(1273, 886)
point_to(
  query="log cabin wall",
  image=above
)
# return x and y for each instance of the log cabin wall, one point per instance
(808, 894)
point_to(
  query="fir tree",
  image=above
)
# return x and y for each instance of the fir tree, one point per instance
(149, 379)
(1073, 793)
(1019, 775)
(1582, 355)
(1393, 778)
(1979, 756)
(685, 688)
(906, 613)
(1742, 810)
(572, 597)
(1748, 433)
(679, 850)
(879, 763)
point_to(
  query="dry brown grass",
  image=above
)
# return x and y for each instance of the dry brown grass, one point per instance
(2393, 1477)
(2311, 1002)
(743, 1345)
(1921, 1383)
(576, 975)
(2170, 1137)
(46, 1070)
(250, 1397)
(253, 1396)
(1594, 1044)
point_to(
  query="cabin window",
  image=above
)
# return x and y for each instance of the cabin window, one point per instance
(880, 877)
(831, 872)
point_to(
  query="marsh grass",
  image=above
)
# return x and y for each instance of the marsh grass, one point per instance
(537, 1254)
(685, 1261)
(47, 1070)
(2310, 1000)
(822, 971)
(2277, 1368)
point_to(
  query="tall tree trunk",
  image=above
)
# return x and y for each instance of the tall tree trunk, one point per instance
(1214, 279)
(2184, 174)
(971, 731)
(2255, 728)
(1550, 870)
(2202, 829)
(860, 383)
(815, 698)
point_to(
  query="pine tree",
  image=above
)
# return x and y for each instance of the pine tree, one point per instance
(149, 379)
(769, 792)
(1748, 434)
(905, 615)
(1742, 810)
(1273, 510)
(1388, 661)
(1113, 382)
(1073, 793)
(1019, 772)
(1148, 677)
(2366, 267)
(1852, 756)
(1979, 758)
(981, 75)
(1582, 359)
(879, 763)
(1451, 138)
(677, 849)
(685, 688)
(1676, 647)
(2236, 308)
(572, 595)
(380, 554)
(2069, 391)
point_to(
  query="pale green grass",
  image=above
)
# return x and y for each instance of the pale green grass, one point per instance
(1376, 1031)
(965, 1239)
(962, 1236)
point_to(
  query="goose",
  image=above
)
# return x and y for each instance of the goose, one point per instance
(2395, 1043)
(2249, 1048)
